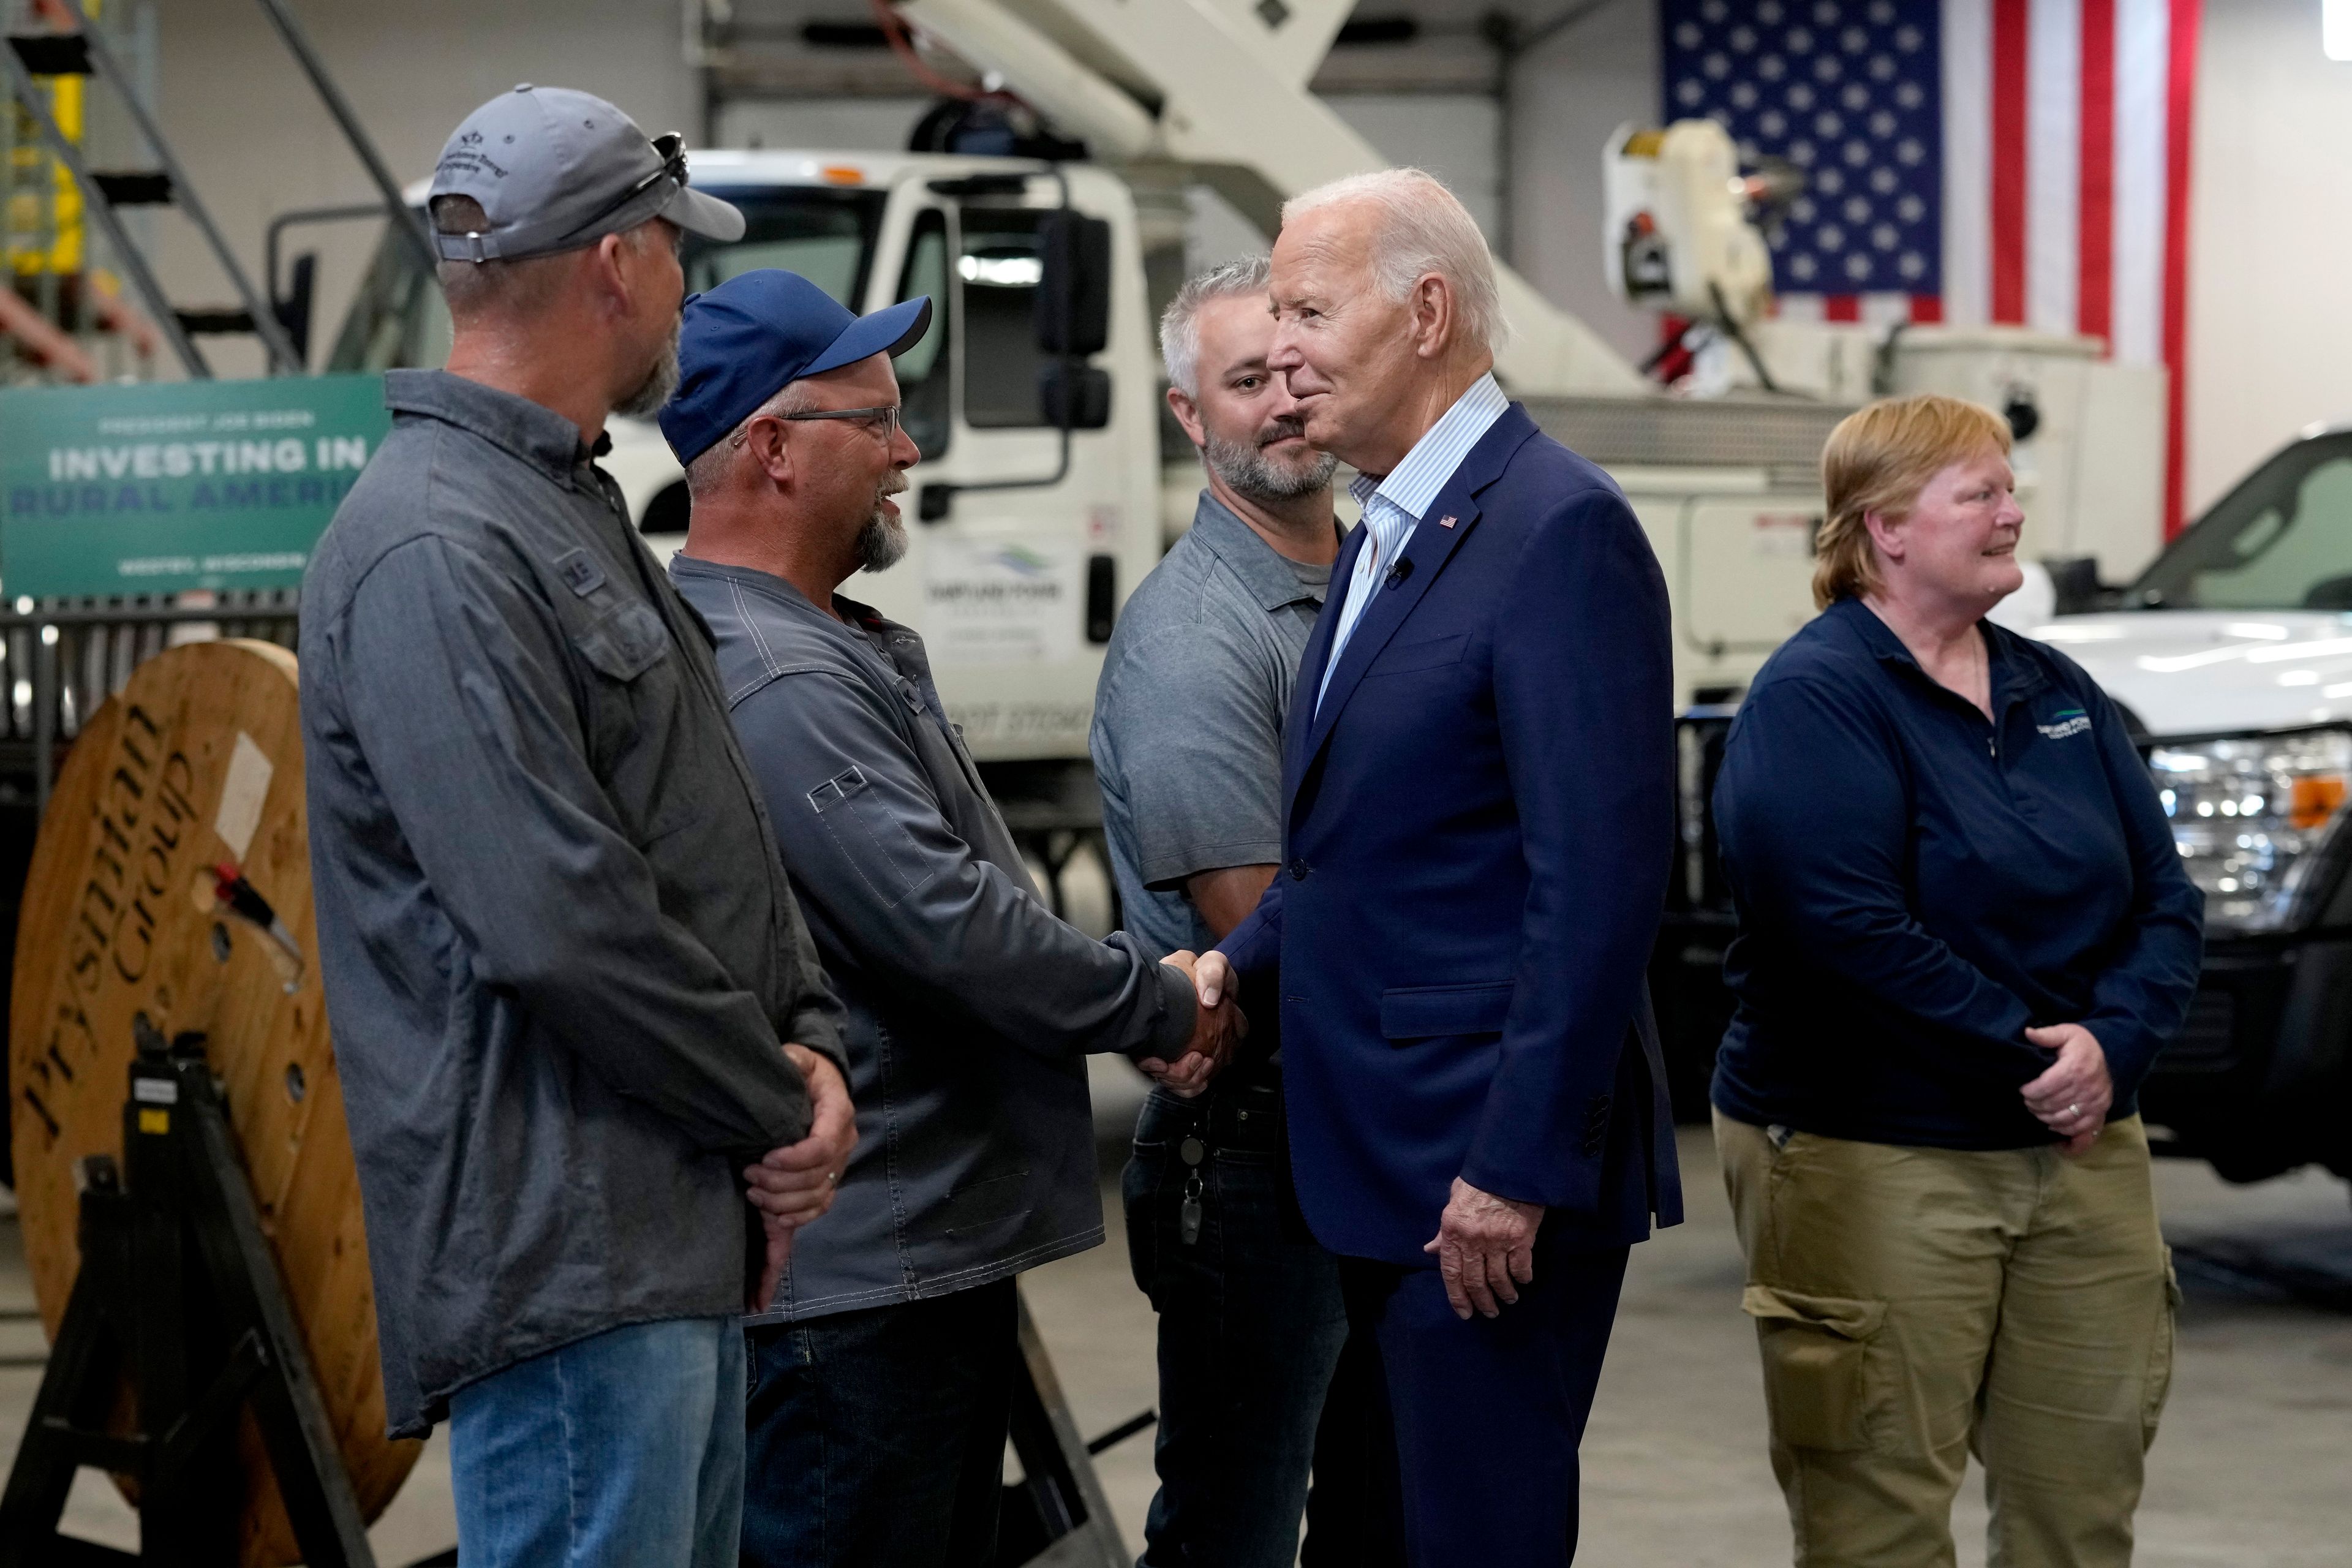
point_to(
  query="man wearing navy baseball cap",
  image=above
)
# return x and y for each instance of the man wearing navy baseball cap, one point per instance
(882, 1376)
(572, 1016)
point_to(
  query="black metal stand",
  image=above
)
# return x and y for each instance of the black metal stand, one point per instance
(179, 1298)
(1056, 1516)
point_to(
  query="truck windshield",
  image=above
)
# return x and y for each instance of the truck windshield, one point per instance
(398, 319)
(2280, 540)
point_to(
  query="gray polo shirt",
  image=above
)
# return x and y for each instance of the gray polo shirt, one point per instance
(1187, 737)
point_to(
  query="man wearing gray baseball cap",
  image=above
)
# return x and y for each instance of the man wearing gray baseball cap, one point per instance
(577, 1025)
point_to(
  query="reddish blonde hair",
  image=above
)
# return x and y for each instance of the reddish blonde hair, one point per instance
(1878, 459)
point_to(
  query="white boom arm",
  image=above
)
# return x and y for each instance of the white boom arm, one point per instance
(1215, 85)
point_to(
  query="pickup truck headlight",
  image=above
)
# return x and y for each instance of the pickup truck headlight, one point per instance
(2249, 814)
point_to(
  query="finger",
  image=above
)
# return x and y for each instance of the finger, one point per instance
(1475, 1285)
(1498, 1277)
(768, 1179)
(1209, 977)
(2042, 1082)
(772, 1273)
(1449, 1269)
(1522, 1264)
(2060, 1086)
(791, 1208)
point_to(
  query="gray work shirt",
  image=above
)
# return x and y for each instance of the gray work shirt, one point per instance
(1187, 737)
(559, 953)
(969, 1005)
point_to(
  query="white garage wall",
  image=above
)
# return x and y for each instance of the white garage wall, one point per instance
(1571, 93)
(256, 142)
(2270, 308)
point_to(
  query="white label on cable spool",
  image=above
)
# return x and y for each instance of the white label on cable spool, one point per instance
(241, 797)
(154, 1091)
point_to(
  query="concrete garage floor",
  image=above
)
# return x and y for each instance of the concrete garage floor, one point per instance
(2250, 1472)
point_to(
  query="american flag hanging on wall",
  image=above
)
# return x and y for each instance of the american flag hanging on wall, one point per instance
(2020, 162)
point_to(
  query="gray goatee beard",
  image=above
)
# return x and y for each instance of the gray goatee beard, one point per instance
(1247, 469)
(882, 543)
(659, 383)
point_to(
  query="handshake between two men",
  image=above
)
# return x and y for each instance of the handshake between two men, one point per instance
(1218, 1026)
(795, 1185)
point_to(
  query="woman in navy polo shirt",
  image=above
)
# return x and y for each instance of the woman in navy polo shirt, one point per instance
(1964, 934)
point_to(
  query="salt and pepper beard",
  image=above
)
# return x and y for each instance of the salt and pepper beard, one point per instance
(882, 541)
(1247, 469)
(659, 383)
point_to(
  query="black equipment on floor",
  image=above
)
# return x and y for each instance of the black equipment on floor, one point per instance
(179, 1298)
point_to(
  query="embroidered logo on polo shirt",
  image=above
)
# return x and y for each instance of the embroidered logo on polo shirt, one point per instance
(2070, 722)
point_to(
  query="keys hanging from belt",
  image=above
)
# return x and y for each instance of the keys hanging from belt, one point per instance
(1188, 1218)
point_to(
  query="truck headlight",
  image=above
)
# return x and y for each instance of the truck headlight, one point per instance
(2249, 814)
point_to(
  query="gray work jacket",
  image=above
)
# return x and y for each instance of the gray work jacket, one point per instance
(557, 950)
(969, 1005)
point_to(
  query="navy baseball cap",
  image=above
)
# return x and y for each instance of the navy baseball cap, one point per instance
(758, 333)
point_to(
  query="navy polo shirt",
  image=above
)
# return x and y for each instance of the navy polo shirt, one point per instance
(1916, 885)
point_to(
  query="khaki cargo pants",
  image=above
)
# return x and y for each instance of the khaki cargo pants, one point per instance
(1914, 1305)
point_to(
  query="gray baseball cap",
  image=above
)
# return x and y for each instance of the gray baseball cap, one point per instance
(557, 169)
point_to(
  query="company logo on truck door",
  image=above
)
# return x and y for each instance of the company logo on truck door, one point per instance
(999, 603)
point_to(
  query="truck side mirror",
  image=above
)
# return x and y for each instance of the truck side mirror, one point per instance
(1083, 393)
(1073, 284)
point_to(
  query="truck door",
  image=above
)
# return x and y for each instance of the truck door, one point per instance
(1014, 563)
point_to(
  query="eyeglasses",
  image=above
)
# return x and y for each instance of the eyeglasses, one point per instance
(885, 421)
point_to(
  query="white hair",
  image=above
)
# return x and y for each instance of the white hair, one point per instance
(1420, 228)
(710, 466)
(1180, 324)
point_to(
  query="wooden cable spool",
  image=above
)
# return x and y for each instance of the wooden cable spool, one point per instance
(195, 765)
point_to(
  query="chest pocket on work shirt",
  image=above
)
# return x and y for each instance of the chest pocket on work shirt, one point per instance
(624, 642)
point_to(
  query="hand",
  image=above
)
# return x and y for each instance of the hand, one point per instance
(1485, 1249)
(1216, 1028)
(2073, 1096)
(794, 1184)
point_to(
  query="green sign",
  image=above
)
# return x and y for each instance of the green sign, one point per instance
(167, 486)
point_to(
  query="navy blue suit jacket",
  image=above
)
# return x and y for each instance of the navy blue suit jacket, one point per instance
(1478, 825)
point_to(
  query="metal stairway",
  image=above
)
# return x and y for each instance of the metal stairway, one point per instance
(74, 48)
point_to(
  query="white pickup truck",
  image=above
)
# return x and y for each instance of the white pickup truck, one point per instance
(2233, 654)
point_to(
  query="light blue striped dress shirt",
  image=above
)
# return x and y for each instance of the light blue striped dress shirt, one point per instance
(1393, 506)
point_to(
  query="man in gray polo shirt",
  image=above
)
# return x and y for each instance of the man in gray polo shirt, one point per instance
(1187, 745)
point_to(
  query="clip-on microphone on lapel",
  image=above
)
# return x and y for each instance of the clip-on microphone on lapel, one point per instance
(1399, 573)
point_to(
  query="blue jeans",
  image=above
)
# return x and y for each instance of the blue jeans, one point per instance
(878, 1436)
(623, 1449)
(1255, 1391)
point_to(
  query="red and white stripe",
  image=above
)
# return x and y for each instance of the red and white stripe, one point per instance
(2066, 130)
(2066, 126)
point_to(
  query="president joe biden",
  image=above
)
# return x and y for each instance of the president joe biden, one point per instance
(1478, 823)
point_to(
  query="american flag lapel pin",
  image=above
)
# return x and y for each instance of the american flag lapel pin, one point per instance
(1445, 521)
